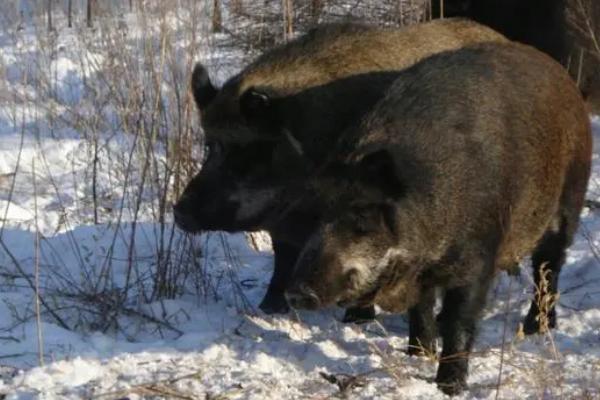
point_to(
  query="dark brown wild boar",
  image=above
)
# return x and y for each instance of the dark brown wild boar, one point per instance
(474, 159)
(280, 115)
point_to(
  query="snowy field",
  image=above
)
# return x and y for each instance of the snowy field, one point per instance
(109, 328)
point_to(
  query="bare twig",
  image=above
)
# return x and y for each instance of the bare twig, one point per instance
(38, 318)
(504, 332)
(31, 284)
(344, 382)
(161, 388)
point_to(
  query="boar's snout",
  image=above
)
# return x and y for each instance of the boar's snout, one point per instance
(205, 205)
(302, 297)
(183, 219)
(195, 213)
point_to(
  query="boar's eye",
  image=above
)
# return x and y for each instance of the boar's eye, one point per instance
(254, 102)
(388, 214)
(365, 221)
(374, 218)
(378, 170)
(260, 110)
(212, 149)
(352, 277)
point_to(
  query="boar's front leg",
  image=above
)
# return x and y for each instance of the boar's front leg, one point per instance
(461, 308)
(274, 301)
(422, 326)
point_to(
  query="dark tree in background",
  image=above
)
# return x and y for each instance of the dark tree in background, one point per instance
(567, 30)
(584, 64)
(90, 5)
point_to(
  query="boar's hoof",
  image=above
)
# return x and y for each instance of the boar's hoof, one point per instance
(274, 304)
(359, 315)
(421, 350)
(532, 325)
(452, 377)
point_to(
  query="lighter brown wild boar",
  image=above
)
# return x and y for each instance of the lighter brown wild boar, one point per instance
(316, 83)
(474, 159)
(287, 108)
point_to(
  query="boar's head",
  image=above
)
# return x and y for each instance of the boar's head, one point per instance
(241, 181)
(355, 257)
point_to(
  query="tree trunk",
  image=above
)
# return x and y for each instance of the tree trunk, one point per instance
(316, 6)
(288, 19)
(216, 17)
(237, 7)
(69, 13)
(89, 13)
(49, 5)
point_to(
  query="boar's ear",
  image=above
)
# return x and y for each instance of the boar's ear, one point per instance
(202, 88)
(378, 169)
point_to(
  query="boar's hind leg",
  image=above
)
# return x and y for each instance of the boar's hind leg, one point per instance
(285, 259)
(422, 326)
(359, 315)
(547, 261)
(461, 309)
(549, 255)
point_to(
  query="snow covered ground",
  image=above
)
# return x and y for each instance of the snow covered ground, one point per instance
(107, 335)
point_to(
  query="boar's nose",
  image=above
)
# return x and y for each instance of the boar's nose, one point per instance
(183, 220)
(302, 297)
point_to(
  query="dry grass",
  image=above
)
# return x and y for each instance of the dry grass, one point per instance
(132, 95)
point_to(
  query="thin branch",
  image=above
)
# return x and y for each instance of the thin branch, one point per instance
(15, 262)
